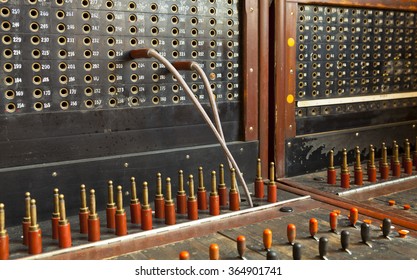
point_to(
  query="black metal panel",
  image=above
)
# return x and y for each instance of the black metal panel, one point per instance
(309, 153)
(365, 118)
(68, 136)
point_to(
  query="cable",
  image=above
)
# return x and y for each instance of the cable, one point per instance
(191, 65)
(151, 53)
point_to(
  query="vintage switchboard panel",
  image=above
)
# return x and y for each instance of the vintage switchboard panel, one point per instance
(350, 80)
(77, 109)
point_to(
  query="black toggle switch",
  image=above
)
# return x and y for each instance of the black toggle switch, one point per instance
(296, 251)
(365, 233)
(323, 247)
(345, 241)
(386, 228)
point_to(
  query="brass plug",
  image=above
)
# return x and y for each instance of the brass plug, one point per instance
(168, 199)
(110, 199)
(191, 195)
(201, 186)
(372, 158)
(3, 231)
(395, 154)
(55, 214)
(233, 188)
(384, 160)
(358, 164)
(145, 196)
(331, 160)
(27, 216)
(259, 170)
(134, 198)
(407, 153)
(119, 202)
(33, 216)
(83, 197)
(271, 173)
(344, 168)
(213, 184)
(62, 211)
(181, 190)
(93, 211)
(159, 186)
(221, 176)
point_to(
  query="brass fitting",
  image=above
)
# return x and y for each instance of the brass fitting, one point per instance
(168, 199)
(110, 200)
(384, 160)
(62, 211)
(55, 214)
(26, 218)
(201, 186)
(271, 172)
(191, 195)
(372, 158)
(93, 211)
(181, 182)
(221, 175)
(33, 216)
(258, 169)
(134, 198)
(3, 231)
(370, 151)
(344, 162)
(145, 196)
(331, 160)
(213, 184)
(233, 180)
(407, 153)
(119, 202)
(395, 154)
(358, 165)
(83, 197)
(159, 186)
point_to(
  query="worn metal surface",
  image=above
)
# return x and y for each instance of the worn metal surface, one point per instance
(382, 249)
